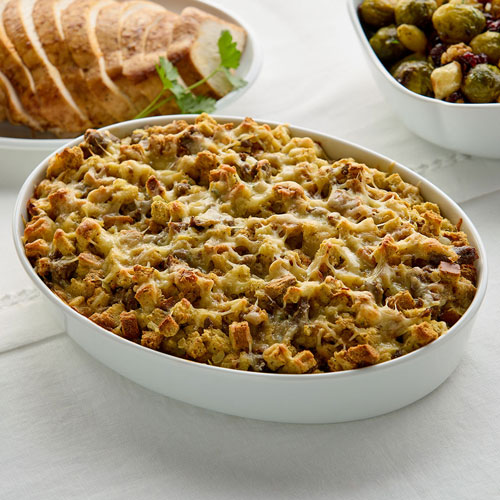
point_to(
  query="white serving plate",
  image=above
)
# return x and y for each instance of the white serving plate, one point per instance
(20, 151)
(317, 398)
(467, 128)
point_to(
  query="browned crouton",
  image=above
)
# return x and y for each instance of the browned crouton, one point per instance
(163, 145)
(89, 260)
(457, 238)
(132, 152)
(37, 248)
(182, 311)
(239, 334)
(194, 345)
(276, 356)
(423, 333)
(148, 295)
(432, 224)
(110, 318)
(130, 327)
(187, 282)
(87, 231)
(151, 339)
(363, 354)
(42, 227)
(277, 287)
(168, 327)
(62, 243)
(68, 158)
(204, 163)
(401, 301)
(450, 315)
(302, 362)
(142, 273)
(469, 272)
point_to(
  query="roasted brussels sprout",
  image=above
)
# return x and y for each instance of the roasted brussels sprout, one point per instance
(458, 22)
(482, 84)
(414, 72)
(412, 38)
(487, 43)
(378, 13)
(416, 12)
(386, 44)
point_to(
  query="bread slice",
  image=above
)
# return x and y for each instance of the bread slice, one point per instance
(47, 20)
(19, 87)
(194, 49)
(79, 22)
(108, 31)
(56, 103)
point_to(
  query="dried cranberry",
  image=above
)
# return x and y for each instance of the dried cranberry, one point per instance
(493, 25)
(470, 60)
(436, 52)
(456, 97)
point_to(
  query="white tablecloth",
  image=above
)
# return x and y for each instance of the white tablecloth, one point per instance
(71, 428)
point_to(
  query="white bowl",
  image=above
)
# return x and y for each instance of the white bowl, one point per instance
(317, 398)
(19, 151)
(466, 128)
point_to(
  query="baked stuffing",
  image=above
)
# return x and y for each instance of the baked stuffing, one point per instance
(243, 247)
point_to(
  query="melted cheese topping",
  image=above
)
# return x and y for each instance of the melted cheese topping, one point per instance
(243, 247)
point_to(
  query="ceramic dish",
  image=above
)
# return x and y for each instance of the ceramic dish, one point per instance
(19, 152)
(466, 128)
(317, 398)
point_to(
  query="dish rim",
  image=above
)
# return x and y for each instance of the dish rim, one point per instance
(17, 143)
(352, 7)
(27, 188)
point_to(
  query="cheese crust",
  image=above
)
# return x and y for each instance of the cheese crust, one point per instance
(240, 246)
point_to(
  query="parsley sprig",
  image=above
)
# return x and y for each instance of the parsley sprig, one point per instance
(184, 97)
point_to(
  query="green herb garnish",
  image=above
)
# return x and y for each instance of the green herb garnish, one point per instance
(184, 97)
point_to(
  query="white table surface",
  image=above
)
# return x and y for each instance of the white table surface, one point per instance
(71, 428)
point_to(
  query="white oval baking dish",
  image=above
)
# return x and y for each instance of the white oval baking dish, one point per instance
(466, 128)
(19, 151)
(320, 398)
